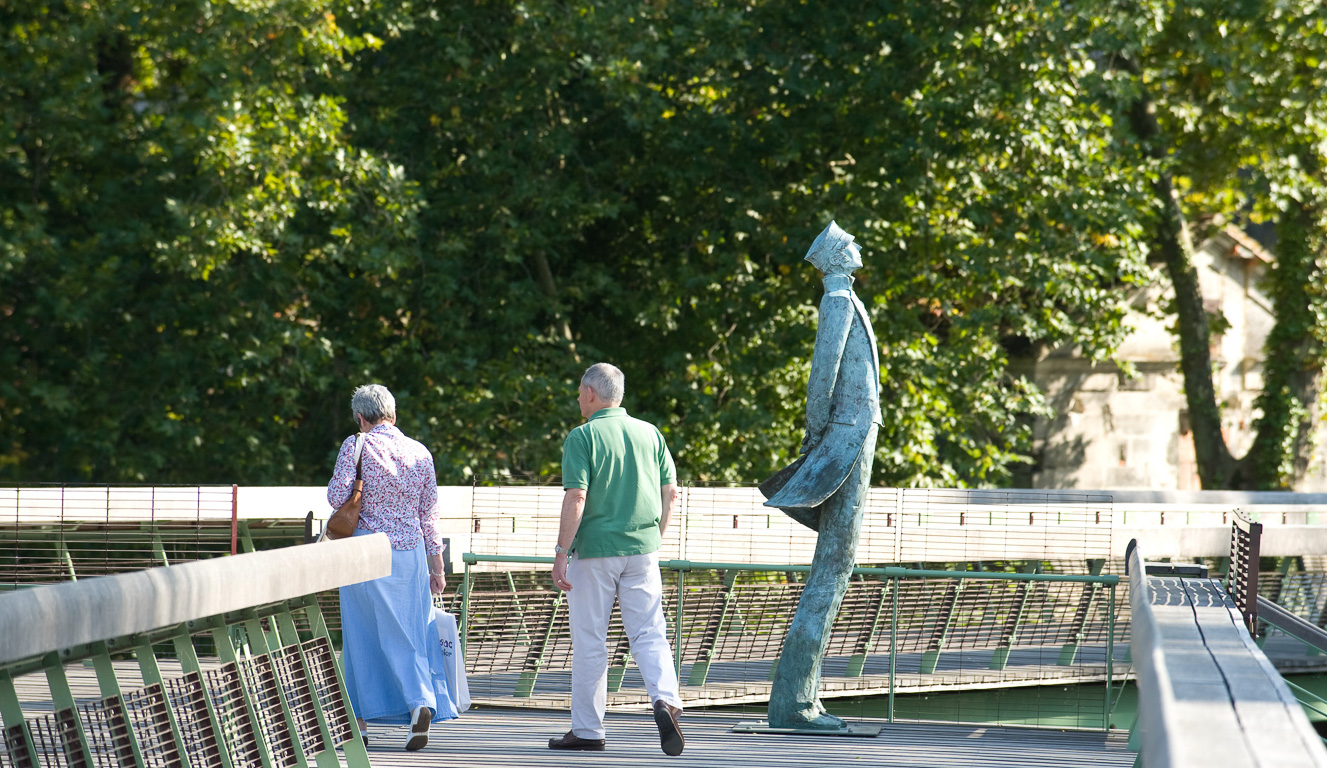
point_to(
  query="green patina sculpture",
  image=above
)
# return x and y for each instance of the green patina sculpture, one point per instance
(825, 489)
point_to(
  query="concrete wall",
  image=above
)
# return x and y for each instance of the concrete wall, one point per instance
(1113, 431)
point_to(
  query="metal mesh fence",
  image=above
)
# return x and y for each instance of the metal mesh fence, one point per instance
(56, 741)
(54, 533)
(58, 533)
(259, 679)
(15, 753)
(288, 664)
(730, 524)
(322, 666)
(148, 717)
(188, 698)
(238, 733)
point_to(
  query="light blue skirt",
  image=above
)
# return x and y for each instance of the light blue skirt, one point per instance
(389, 643)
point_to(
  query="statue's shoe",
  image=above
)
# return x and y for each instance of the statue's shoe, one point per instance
(808, 720)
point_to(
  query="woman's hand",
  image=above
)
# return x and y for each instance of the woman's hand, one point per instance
(437, 577)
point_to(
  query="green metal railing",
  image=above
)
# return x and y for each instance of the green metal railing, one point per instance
(876, 611)
(268, 694)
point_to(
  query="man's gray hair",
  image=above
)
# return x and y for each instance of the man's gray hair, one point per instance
(374, 402)
(607, 382)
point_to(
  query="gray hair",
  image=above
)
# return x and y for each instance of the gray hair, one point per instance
(374, 402)
(606, 380)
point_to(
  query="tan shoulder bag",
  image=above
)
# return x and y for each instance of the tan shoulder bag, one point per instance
(345, 519)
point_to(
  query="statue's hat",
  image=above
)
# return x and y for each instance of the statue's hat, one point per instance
(827, 244)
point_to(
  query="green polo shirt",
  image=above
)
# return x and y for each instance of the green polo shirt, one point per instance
(620, 463)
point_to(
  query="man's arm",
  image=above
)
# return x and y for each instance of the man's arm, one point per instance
(668, 493)
(573, 506)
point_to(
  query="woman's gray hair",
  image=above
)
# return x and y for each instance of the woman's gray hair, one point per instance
(607, 382)
(374, 402)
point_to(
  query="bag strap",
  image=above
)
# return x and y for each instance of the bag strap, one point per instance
(359, 452)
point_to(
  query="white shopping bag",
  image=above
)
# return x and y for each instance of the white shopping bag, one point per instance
(455, 662)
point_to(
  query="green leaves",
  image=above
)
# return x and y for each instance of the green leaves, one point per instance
(231, 213)
(170, 173)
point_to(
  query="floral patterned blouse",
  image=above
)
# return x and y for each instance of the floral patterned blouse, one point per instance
(400, 488)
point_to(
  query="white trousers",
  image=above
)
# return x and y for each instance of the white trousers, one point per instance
(634, 580)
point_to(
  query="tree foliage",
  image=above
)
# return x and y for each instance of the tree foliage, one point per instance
(177, 195)
(1229, 104)
(217, 217)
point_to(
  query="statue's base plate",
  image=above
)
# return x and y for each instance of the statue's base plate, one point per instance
(762, 726)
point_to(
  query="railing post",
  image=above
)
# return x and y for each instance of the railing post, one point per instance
(893, 647)
(188, 656)
(1000, 656)
(523, 632)
(158, 546)
(63, 699)
(265, 643)
(1110, 656)
(285, 622)
(11, 711)
(534, 660)
(355, 753)
(857, 662)
(617, 667)
(151, 672)
(465, 606)
(1070, 649)
(66, 558)
(221, 638)
(235, 518)
(700, 667)
(931, 656)
(677, 625)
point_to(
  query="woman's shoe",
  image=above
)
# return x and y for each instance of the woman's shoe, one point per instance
(419, 729)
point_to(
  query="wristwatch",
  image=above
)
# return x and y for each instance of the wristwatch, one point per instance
(561, 550)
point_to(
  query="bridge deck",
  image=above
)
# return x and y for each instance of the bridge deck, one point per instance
(490, 736)
(499, 737)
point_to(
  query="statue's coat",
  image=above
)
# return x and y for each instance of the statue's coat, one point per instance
(842, 401)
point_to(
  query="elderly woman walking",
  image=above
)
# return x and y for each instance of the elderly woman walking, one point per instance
(393, 660)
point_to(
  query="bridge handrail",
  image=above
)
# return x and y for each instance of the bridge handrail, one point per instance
(470, 558)
(276, 695)
(1207, 695)
(91, 610)
(1156, 695)
(881, 623)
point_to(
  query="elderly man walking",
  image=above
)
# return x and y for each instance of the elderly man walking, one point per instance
(620, 488)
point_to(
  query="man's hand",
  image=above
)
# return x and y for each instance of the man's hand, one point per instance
(560, 573)
(573, 505)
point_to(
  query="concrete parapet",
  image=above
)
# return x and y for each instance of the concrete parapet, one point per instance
(44, 619)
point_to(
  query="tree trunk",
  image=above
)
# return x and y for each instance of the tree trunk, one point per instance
(1279, 457)
(544, 276)
(1216, 467)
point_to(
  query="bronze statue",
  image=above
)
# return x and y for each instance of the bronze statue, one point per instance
(826, 487)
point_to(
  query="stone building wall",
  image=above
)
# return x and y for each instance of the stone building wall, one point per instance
(1113, 431)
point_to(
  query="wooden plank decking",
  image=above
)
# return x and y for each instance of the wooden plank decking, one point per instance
(505, 737)
(493, 736)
